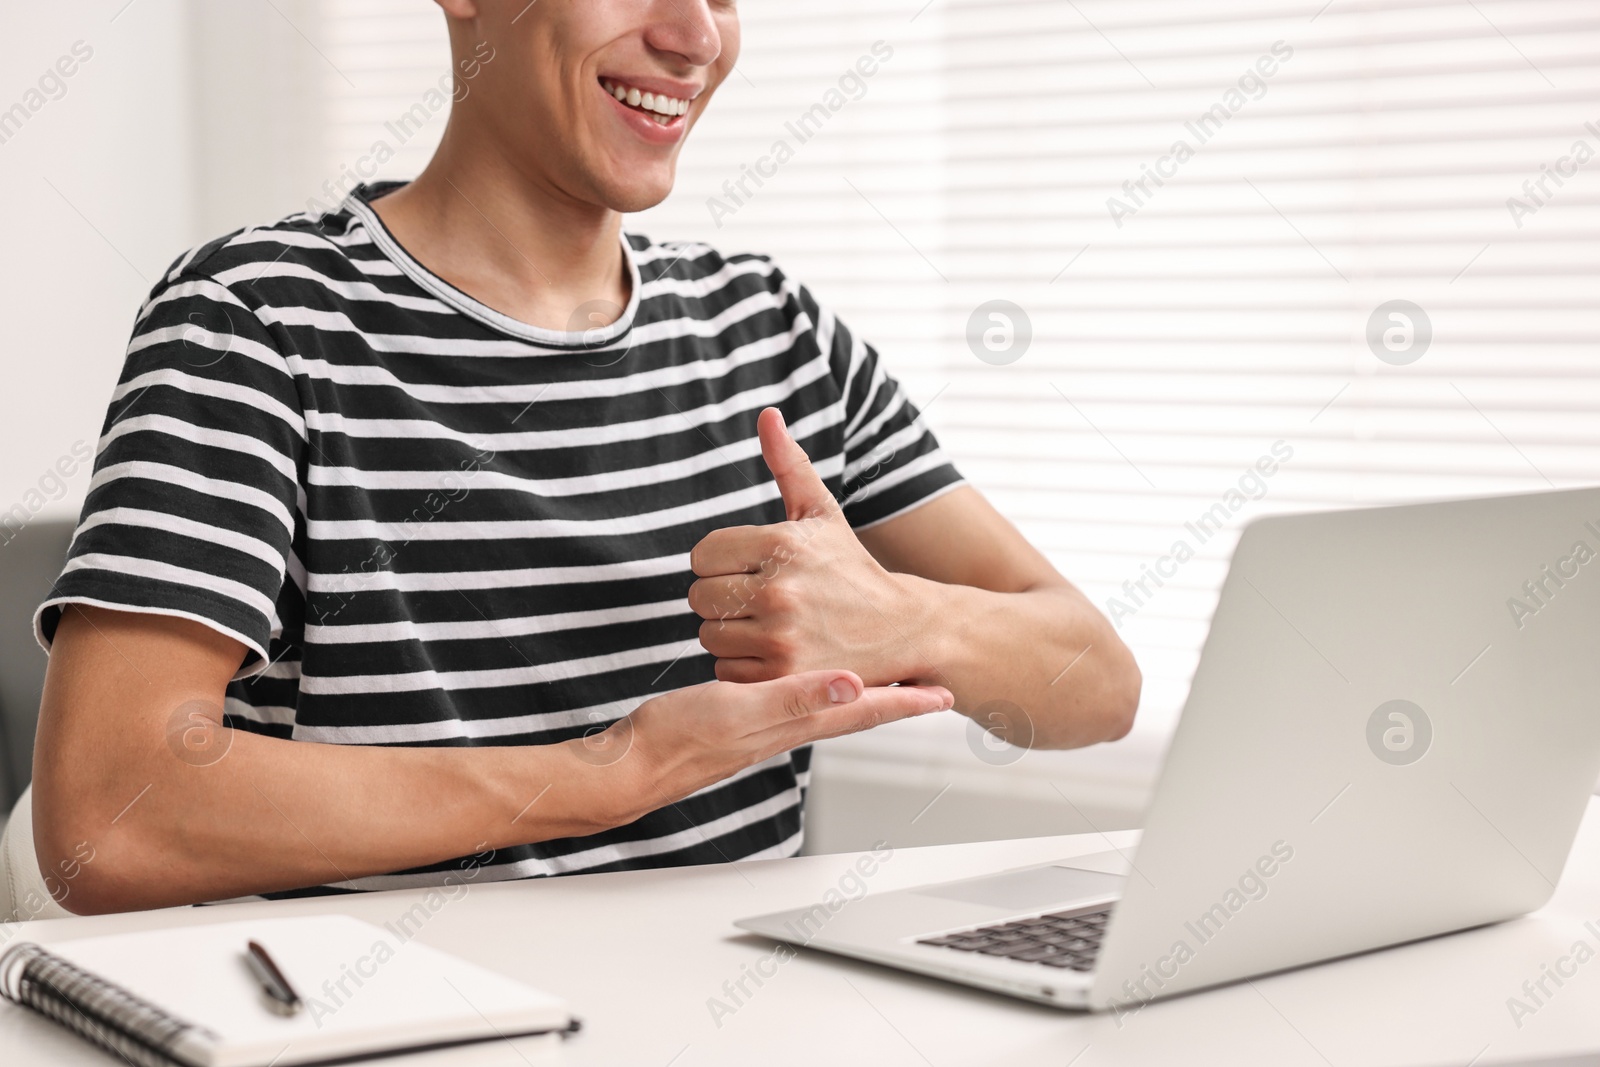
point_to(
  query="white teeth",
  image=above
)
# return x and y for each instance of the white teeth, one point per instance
(661, 107)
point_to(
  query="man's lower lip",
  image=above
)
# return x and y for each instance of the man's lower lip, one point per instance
(645, 126)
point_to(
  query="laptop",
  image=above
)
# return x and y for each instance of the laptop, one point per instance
(1392, 734)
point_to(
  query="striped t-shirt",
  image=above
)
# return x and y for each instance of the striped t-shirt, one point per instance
(432, 524)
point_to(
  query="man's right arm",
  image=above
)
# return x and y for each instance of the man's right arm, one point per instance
(112, 771)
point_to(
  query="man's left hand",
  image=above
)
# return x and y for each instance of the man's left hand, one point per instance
(798, 595)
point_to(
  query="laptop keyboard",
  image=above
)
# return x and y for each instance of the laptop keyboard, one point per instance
(1062, 939)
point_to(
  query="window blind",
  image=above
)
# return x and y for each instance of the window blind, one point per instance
(384, 111)
(1265, 257)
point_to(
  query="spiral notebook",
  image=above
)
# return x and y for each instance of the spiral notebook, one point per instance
(186, 997)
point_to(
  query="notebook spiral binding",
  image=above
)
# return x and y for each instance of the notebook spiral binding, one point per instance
(93, 1008)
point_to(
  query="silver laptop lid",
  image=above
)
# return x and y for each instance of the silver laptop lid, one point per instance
(1392, 733)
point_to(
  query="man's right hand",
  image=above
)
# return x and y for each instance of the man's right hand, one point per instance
(134, 766)
(678, 743)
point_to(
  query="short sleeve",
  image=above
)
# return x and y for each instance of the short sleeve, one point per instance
(191, 510)
(892, 461)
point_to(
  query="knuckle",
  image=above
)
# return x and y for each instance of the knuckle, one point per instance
(783, 655)
(795, 704)
(729, 593)
(775, 551)
(751, 591)
(791, 539)
(777, 597)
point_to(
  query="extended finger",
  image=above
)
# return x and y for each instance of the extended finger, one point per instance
(825, 695)
(795, 697)
(874, 707)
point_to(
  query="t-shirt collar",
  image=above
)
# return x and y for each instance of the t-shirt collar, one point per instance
(359, 204)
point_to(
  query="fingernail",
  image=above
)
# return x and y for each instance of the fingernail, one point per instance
(841, 691)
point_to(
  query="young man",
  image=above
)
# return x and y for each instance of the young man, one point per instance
(459, 563)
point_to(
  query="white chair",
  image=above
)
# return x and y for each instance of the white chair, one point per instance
(23, 893)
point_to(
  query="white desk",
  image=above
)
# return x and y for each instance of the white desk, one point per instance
(640, 953)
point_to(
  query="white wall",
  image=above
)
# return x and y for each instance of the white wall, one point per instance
(190, 118)
(256, 104)
(96, 198)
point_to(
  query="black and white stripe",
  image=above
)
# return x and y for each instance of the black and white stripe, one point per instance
(431, 524)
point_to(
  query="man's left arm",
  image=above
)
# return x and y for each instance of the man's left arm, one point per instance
(948, 593)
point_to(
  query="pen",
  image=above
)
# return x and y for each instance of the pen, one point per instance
(280, 995)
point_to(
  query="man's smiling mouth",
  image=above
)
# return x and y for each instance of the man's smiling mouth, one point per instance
(664, 109)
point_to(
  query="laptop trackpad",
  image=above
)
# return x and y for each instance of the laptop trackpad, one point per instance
(1027, 890)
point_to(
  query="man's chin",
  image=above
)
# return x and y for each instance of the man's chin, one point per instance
(639, 193)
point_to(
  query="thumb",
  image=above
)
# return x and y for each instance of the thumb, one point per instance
(804, 494)
(816, 690)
